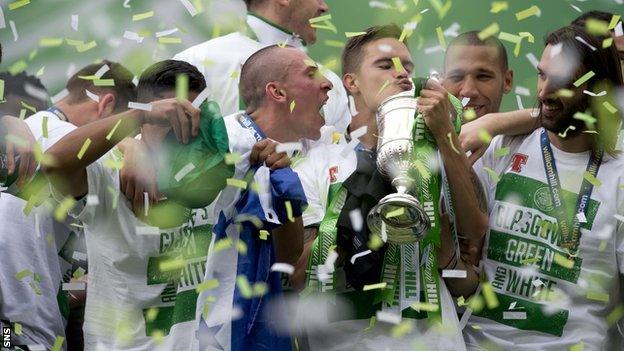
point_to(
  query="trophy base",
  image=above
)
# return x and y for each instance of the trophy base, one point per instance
(405, 219)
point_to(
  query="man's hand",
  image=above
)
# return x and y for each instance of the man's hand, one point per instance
(470, 139)
(138, 175)
(181, 115)
(19, 141)
(436, 109)
(264, 151)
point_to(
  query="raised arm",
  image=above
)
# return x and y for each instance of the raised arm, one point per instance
(500, 123)
(68, 173)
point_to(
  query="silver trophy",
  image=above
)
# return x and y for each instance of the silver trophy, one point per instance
(398, 218)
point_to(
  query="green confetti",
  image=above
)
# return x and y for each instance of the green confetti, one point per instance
(86, 47)
(18, 67)
(398, 66)
(334, 43)
(354, 34)
(593, 180)
(524, 14)
(292, 106)
(84, 148)
(232, 158)
(264, 234)
(17, 4)
(609, 107)
(484, 136)
(395, 213)
(587, 76)
(44, 126)
(17, 327)
(151, 314)
(110, 134)
(207, 285)
(182, 87)
(23, 274)
(320, 18)
(172, 265)
(491, 300)
(236, 183)
(615, 315)
(580, 346)
(441, 39)
(375, 286)
(243, 287)
(142, 16)
(503, 151)
(596, 27)
(50, 42)
(424, 306)
(104, 82)
(597, 296)
(493, 175)
(289, 211)
(58, 343)
(383, 87)
(589, 120)
(489, 31)
(563, 261)
(170, 40)
(60, 213)
(498, 6)
(371, 324)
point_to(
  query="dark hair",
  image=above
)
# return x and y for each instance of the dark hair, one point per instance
(264, 66)
(23, 85)
(124, 89)
(597, 15)
(352, 54)
(251, 3)
(604, 62)
(161, 77)
(472, 38)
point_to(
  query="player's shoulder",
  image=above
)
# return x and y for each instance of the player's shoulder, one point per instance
(230, 43)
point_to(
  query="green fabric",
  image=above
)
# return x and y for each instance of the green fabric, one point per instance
(206, 152)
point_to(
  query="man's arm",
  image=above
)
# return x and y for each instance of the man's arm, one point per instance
(68, 173)
(299, 277)
(500, 123)
(448, 260)
(466, 192)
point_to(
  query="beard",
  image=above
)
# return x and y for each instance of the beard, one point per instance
(565, 119)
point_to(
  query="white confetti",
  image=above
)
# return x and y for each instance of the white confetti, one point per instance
(331, 259)
(165, 33)
(453, 30)
(352, 107)
(133, 36)
(37, 227)
(531, 57)
(514, 315)
(74, 22)
(92, 96)
(13, 30)
(147, 230)
(33, 91)
(523, 91)
(424, 11)
(618, 30)
(92, 200)
(184, 171)
(465, 101)
(80, 256)
(2, 22)
(384, 234)
(36, 347)
(433, 49)
(576, 8)
(100, 72)
(71, 69)
(74, 286)
(356, 134)
(379, 5)
(519, 101)
(410, 25)
(201, 97)
(145, 203)
(454, 273)
(581, 217)
(60, 96)
(139, 106)
(189, 7)
(356, 219)
(537, 283)
(358, 255)
(349, 147)
(126, 4)
(289, 147)
(283, 267)
(619, 218)
(593, 48)
(602, 93)
(556, 50)
(387, 317)
(385, 48)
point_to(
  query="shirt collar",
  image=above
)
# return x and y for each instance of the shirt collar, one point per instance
(269, 33)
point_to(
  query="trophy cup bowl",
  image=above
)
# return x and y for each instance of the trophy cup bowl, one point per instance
(402, 215)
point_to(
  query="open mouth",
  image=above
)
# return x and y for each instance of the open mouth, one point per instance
(549, 110)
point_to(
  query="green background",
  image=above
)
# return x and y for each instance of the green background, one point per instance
(106, 20)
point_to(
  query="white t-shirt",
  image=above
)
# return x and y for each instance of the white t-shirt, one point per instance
(28, 245)
(543, 304)
(321, 173)
(220, 61)
(133, 303)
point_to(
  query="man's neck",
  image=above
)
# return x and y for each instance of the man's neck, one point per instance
(268, 121)
(366, 118)
(68, 110)
(576, 143)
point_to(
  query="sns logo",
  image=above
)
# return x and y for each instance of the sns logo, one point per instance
(332, 174)
(517, 161)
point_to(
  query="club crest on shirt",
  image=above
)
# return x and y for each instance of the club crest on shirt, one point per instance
(332, 174)
(543, 200)
(517, 161)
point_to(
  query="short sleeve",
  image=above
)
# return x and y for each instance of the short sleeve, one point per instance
(336, 110)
